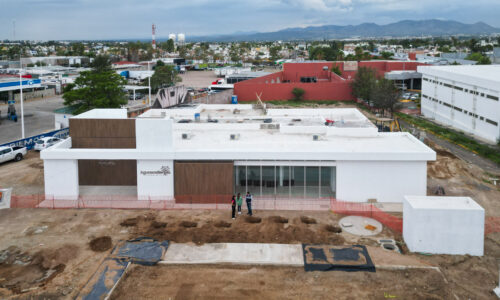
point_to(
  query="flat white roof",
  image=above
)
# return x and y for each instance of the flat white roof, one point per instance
(480, 75)
(439, 202)
(108, 113)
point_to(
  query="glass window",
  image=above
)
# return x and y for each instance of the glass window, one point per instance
(268, 180)
(283, 181)
(312, 182)
(240, 180)
(253, 180)
(297, 182)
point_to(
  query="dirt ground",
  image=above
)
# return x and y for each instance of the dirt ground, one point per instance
(47, 254)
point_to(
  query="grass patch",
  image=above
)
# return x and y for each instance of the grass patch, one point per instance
(455, 137)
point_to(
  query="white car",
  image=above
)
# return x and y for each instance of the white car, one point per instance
(46, 142)
(12, 153)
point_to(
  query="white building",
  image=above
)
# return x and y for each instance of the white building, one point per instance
(443, 225)
(464, 97)
(206, 152)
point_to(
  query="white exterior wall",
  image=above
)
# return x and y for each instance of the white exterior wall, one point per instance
(155, 186)
(461, 109)
(386, 181)
(61, 178)
(436, 229)
(61, 121)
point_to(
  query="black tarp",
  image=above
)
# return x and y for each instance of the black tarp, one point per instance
(337, 258)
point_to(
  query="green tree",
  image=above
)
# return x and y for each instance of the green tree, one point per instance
(170, 46)
(336, 70)
(386, 55)
(99, 88)
(159, 63)
(363, 83)
(298, 93)
(384, 95)
(101, 63)
(164, 76)
(481, 59)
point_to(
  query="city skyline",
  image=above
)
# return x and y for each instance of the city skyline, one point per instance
(130, 19)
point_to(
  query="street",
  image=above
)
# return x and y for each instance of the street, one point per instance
(39, 118)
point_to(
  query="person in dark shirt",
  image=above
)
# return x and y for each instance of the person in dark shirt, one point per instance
(248, 199)
(233, 206)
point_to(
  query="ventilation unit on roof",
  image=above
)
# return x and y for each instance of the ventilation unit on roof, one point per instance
(316, 137)
(186, 136)
(234, 136)
(163, 114)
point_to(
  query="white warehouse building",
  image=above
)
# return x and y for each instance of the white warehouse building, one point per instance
(464, 97)
(204, 153)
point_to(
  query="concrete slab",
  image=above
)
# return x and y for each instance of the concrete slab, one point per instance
(358, 225)
(235, 253)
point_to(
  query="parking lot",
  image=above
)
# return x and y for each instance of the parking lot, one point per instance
(38, 118)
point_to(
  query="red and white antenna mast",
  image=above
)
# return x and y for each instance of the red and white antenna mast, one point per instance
(154, 38)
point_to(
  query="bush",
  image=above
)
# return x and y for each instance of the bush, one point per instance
(298, 93)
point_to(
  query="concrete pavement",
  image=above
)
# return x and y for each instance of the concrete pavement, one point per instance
(39, 118)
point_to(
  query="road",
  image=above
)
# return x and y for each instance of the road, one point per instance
(460, 152)
(39, 118)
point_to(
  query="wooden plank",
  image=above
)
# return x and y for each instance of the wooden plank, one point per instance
(102, 133)
(203, 182)
(107, 172)
(105, 143)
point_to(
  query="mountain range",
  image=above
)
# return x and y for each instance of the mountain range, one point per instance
(405, 28)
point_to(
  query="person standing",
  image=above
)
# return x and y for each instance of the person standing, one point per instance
(248, 198)
(239, 202)
(233, 206)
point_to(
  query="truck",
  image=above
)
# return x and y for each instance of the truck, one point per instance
(12, 153)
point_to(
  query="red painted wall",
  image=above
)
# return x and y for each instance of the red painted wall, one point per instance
(330, 86)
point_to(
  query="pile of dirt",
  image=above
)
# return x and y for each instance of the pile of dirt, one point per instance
(188, 224)
(21, 272)
(252, 219)
(156, 224)
(278, 219)
(129, 222)
(307, 220)
(240, 231)
(101, 244)
(222, 224)
(333, 228)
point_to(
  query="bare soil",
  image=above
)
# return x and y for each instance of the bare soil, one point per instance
(101, 244)
(222, 282)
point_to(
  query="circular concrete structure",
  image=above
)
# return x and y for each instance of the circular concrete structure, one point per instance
(361, 226)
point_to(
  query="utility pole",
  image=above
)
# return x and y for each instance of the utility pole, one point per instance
(21, 96)
(149, 86)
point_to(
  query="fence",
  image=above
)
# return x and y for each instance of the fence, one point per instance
(367, 210)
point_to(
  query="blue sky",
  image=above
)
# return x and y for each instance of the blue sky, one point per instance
(115, 19)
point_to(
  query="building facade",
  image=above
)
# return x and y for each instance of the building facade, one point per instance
(206, 153)
(463, 97)
(318, 81)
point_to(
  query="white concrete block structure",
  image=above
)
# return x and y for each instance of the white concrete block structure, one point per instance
(443, 225)
(464, 97)
(205, 153)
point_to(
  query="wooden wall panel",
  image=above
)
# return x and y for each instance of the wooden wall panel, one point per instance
(107, 172)
(203, 182)
(102, 133)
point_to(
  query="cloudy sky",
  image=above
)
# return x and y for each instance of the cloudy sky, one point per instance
(117, 19)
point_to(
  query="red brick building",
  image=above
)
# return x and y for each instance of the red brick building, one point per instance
(316, 78)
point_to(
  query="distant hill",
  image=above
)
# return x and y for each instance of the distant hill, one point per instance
(365, 30)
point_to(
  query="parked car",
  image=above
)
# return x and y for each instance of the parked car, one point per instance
(406, 96)
(415, 97)
(12, 153)
(46, 142)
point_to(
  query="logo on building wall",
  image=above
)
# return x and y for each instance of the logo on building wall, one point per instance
(350, 66)
(106, 163)
(164, 171)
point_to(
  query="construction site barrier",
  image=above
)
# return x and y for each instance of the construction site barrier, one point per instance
(367, 210)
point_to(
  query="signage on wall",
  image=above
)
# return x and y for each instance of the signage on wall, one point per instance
(164, 171)
(107, 163)
(350, 66)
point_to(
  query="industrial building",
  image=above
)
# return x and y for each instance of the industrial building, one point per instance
(464, 97)
(319, 81)
(205, 153)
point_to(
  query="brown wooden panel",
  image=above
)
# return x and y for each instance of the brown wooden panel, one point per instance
(107, 172)
(102, 133)
(107, 143)
(101, 128)
(203, 181)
